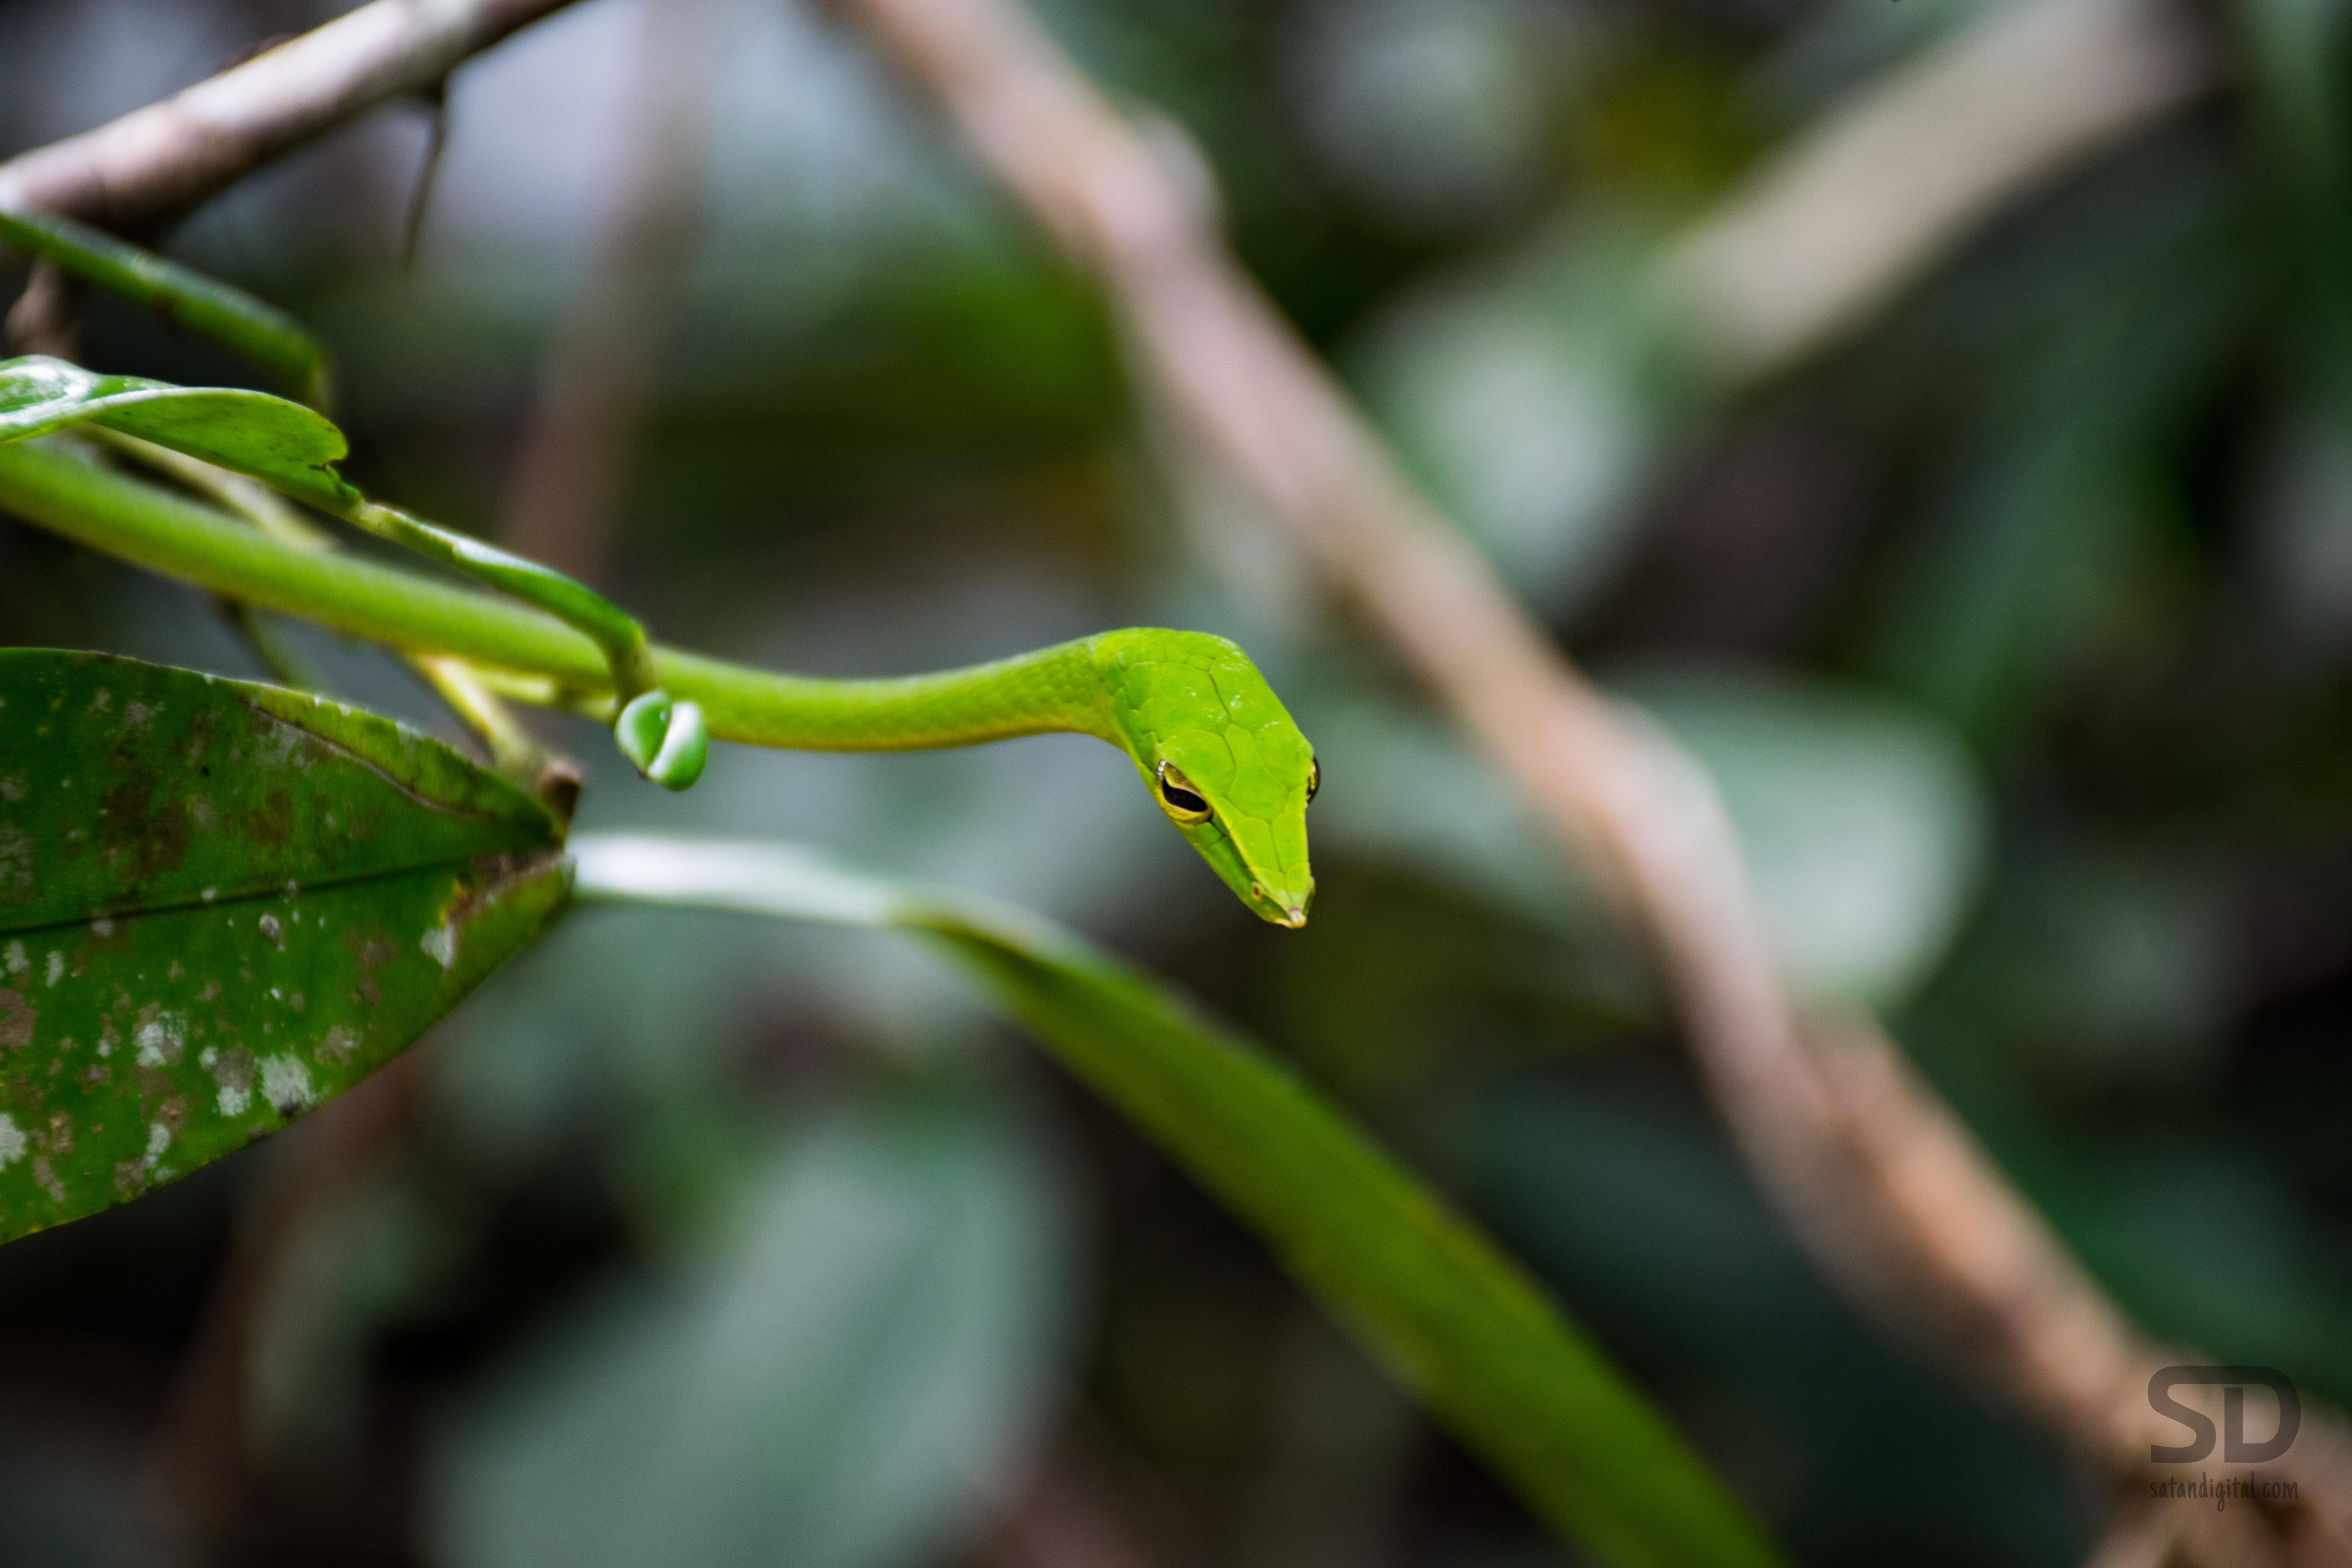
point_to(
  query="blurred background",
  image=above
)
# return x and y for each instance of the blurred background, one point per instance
(2011, 609)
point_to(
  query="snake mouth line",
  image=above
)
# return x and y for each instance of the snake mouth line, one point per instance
(1292, 917)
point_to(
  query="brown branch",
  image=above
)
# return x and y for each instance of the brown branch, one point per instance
(1857, 207)
(1876, 1176)
(2138, 1535)
(1066, 1514)
(160, 161)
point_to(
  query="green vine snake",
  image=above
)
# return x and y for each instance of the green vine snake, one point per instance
(1210, 738)
(1221, 757)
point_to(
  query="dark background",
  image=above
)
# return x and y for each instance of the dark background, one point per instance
(2016, 629)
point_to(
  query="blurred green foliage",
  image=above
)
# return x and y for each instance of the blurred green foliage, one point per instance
(2014, 631)
(840, 1371)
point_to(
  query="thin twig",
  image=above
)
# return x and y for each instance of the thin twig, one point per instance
(461, 688)
(514, 750)
(160, 161)
(236, 494)
(42, 320)
(570, 470)
(1876, 1176)
(267, 648)
(429, 177)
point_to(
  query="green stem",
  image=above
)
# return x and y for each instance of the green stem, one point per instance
(285, 666)
(614, 630)
(456, 682)
(514, 751)
(260, 331)
(119, 516)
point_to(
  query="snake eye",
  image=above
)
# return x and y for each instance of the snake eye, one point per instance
(1314, 777)
(1179, 798)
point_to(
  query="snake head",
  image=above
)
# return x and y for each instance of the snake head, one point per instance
(1222, 758)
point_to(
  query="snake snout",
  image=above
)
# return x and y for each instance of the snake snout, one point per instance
(1291, 916)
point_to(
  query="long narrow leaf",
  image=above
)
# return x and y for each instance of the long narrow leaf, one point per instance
(283, 443)
(1451, 1317)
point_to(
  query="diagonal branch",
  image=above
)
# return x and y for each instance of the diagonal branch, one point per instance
(1879, 1179)
(1858, 208)
(157, 161)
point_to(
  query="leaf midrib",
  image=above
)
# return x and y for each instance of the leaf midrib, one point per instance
(264, 895)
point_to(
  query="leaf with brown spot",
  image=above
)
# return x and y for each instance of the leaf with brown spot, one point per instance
(17, 1018)
(236, 903)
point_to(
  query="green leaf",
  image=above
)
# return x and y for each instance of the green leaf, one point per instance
(1451, 1317)
(281, 442)
(837, 1387)
(221, 904)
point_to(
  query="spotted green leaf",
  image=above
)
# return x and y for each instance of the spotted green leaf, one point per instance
(221, 904)
(280, 443)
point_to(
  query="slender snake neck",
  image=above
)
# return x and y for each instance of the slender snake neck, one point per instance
(1053, 689)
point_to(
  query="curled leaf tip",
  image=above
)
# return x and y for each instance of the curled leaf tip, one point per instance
(665, 738)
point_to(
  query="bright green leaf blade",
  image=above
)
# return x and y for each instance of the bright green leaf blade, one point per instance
(839, 1388)
(281, 442)
(219, 905)
(1451, 1317)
